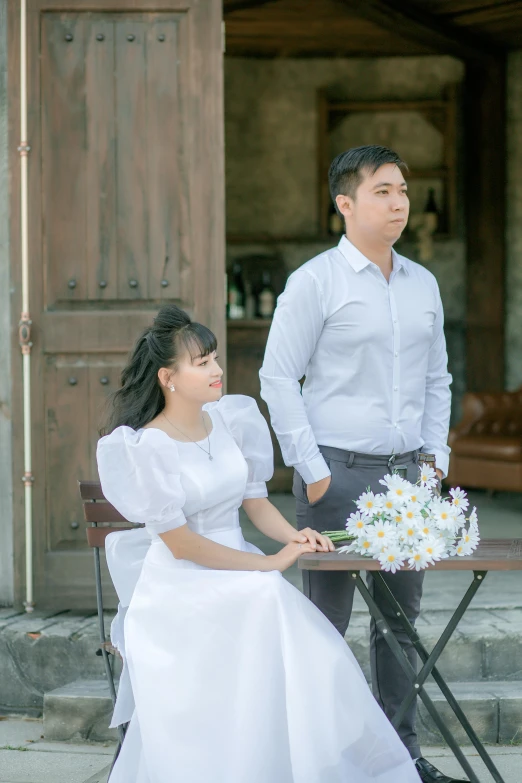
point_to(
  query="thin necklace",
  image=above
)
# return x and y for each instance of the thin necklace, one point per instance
(209, 455)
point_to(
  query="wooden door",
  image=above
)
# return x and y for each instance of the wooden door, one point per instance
(127, 212)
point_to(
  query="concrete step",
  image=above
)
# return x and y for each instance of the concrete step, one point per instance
(42, 652)
(78, 711)
(82, 710)
(480, 650)
(494, 709)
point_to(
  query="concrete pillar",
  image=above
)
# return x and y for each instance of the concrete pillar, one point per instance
(514, 223)
(6, 321)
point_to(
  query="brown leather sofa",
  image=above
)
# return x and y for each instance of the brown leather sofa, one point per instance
(487, 444)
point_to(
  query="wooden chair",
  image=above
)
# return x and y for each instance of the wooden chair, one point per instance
(102, 519)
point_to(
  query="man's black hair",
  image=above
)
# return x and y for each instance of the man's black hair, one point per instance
(348, 169)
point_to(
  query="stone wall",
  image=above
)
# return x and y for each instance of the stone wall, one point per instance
(271, 130)
(271, 161)
(514, 224)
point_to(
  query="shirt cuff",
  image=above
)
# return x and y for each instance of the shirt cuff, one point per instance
(442, 462)
(313, 470)
(256, 489)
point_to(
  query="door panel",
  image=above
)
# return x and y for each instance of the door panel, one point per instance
(63, 158)
(76, 388)
(100, 164)
(132, 216)
(164, 118)
(128, 213)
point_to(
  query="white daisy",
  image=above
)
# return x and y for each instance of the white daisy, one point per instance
(461, 549)
(470, 538)
(355, 524)
(411, 514)
(366, 504)
(397, 517)
(391, 559)
(409, 531)
(389, 477)
(433, 548)
(428, 527)
(419, 495)
(459, 498)
(398, 487)
(473, 518)
(381, 534)
(390, 503)
(362, 546)
(418, 559)
(444, 515)
(428, 477)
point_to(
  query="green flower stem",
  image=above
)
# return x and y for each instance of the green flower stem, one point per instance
(337, 535)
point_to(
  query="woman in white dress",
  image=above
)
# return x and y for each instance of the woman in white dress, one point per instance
(222, 673)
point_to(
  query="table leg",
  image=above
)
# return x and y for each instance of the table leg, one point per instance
(395, 647)
(429, 661)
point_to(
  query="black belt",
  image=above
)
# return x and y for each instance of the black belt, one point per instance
(355, 458)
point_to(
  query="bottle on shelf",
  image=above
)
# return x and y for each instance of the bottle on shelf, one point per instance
(267, 299)
(236, 294)
(431, 208)
(431, 203)
(250, 302)
(335, 222)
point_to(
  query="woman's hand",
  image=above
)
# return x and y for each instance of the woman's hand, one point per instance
(287, 556)
(319, 543)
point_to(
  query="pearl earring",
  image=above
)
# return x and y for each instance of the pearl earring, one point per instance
(172, 388)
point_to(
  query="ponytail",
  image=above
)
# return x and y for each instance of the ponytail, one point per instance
(140, 397)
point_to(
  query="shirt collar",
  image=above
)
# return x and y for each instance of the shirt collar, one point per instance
(358, 261)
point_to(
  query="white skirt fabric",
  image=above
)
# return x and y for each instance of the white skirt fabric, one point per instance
(238, 678)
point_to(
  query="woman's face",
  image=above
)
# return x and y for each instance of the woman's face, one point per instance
(197, 378)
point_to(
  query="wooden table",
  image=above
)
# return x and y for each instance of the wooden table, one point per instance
(493, 554)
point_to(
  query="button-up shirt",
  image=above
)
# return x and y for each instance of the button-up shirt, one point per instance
(374, 355)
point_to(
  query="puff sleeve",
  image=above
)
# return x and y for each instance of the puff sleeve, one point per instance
(246, 424)
(140, 476)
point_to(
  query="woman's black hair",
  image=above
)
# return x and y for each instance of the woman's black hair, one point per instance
(140, 398)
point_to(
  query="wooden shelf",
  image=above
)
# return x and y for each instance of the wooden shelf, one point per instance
(377, 106)
(260, 239)
(255, 323)
(441, 113)
(441, 173)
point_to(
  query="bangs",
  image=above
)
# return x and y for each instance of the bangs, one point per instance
(198, 340)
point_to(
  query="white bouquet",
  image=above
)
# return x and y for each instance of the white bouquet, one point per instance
(409, 525)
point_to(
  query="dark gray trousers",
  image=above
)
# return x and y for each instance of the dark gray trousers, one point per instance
(333, 591)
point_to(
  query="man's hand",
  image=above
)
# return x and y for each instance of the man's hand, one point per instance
(439, 473)
(316, 491)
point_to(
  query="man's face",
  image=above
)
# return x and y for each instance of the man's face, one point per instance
(381, 207)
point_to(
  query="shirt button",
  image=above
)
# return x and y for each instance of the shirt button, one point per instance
(395, 388)
(396, 353)
(395, 425)
(394, 320)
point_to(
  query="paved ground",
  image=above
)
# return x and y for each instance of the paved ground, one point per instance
(26, 758)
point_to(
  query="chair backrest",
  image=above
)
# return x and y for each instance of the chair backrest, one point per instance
(102, 517)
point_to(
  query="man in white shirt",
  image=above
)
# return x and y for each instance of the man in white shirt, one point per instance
(365, 326)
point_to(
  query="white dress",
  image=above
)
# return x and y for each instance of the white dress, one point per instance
(230, 676)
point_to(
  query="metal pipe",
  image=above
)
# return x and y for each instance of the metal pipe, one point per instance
(24, 328)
